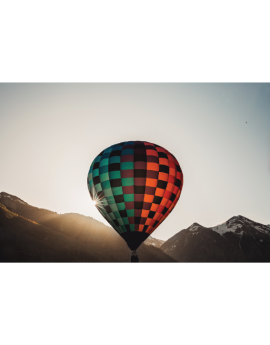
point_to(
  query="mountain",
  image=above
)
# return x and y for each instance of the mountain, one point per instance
(32, 234)
(153, 242)
(237, 240)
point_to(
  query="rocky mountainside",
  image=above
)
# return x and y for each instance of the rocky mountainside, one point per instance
(237, 240)
(31, 234)
(154, 242)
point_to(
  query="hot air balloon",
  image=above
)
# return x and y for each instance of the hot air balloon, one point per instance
(135, 185)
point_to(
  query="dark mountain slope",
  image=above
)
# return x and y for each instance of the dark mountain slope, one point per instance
(22, 240)
(62, 238)
(237, 240)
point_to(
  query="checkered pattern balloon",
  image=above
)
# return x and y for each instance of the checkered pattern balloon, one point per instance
(135, 185)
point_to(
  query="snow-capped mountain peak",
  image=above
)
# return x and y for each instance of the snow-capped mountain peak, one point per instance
(239, 239)
(237, 222)
(154, 242)
(194, 227)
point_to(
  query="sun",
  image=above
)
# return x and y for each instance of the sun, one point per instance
(98, 200)
(94, 202)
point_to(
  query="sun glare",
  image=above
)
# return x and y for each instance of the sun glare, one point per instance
(98, 200)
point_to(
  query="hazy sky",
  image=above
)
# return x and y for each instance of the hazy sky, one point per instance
(50, 134)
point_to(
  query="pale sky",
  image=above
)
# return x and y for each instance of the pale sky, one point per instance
(50, 134)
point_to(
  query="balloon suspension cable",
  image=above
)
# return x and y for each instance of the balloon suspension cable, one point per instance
(134, 256)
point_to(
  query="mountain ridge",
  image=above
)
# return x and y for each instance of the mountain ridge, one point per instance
(79, 238)
(239, 239)
(84, 239)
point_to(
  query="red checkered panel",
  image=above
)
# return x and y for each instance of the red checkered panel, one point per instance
(163, 185)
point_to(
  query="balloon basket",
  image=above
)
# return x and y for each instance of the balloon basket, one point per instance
(134, 256)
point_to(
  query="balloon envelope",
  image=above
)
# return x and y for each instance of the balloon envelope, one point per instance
(135, 185)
